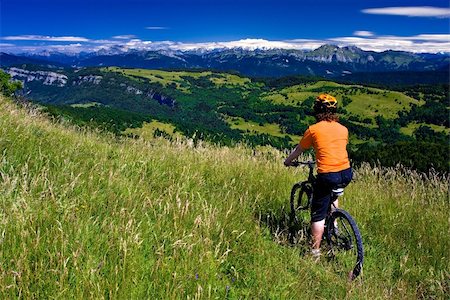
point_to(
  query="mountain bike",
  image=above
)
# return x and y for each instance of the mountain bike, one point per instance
(341, 232)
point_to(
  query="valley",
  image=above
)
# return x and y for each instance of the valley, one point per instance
(229, 109)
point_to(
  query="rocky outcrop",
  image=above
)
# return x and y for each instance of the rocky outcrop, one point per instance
(47, 77)
(134, 90)
(93, 79)
(162, 99)
(165, 100)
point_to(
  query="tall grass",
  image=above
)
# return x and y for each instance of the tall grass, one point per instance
(87, 215)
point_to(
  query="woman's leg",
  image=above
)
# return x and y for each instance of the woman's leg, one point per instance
(319, 208)
(317, 229)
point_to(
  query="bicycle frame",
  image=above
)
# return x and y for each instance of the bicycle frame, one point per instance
(306, 187)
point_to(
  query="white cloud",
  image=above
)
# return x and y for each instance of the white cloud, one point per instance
(249, 44)
(156, 28)
(425, 37)
(411, 11)
(363, 33)
(306, 44)
(46, 38)
(419, 43)
(430, 43)
(6, 45)
(68, 49)
(106, 42)
(124, 37)
(71, 48)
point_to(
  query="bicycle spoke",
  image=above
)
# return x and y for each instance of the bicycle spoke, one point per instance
(345, 244)
(347, 240)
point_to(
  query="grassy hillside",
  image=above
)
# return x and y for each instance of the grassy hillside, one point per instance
(228, 109)
(362, 101)
(86, 215)
(178, 79)
(231, 108)
(254, 128)
(358, 100)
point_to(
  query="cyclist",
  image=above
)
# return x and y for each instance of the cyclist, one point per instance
(329, 140)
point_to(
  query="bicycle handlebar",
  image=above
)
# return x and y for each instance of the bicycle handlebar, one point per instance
(309, 163)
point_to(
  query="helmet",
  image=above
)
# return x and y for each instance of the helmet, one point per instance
(325, 103)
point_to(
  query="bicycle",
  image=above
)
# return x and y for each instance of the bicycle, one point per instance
(341, 232)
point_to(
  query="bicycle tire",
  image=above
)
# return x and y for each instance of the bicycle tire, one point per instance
(345, 242)
(301, 196)
(303, 200)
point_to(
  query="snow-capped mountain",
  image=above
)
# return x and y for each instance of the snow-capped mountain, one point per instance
(327, 60)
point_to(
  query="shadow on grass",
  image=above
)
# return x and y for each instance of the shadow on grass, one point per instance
(287, 230)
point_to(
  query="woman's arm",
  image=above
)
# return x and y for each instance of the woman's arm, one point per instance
(294, 154)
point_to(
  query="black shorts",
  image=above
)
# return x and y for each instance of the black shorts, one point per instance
(325, 182)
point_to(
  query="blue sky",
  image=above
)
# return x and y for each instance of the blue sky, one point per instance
(34, 25)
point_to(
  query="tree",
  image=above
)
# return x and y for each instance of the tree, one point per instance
(8, 87)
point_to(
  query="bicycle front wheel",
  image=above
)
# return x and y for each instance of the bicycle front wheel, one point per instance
(345, 243)
(301, 195)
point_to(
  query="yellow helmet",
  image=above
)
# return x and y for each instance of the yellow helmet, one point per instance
(326, 101)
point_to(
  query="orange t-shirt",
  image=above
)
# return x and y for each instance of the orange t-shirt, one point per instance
(329, 140)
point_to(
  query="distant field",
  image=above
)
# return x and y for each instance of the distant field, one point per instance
(365, 102)
(228, 79)
(163, 77)
(148, 129)
(295, 95)
(199, 91)
(386, 103)
(176, 77)
(408, 130)
(263, 110)
(254, 128)
(86, 105)
(250, 128)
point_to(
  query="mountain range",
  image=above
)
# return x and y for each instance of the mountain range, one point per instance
(326, 61)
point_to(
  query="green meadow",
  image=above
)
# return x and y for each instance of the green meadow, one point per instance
(88, 215)
(147, 131)
(250, 128)
(363, 101)
(229, 108)
(411, 127)
(177, 78)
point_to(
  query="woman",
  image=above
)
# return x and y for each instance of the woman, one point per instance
(329, 139)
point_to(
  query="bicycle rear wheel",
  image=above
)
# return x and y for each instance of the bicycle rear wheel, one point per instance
(345, 243)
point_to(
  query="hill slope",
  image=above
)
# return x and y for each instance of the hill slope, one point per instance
(89, 216)
(229, 109)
